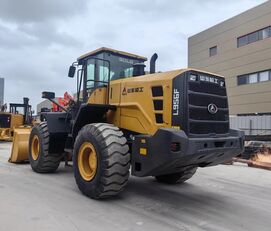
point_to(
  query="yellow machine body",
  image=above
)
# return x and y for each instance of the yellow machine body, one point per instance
(15, 120)
(17, 126)
(135, 102)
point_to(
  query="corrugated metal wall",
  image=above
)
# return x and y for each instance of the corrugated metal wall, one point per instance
(252, 125)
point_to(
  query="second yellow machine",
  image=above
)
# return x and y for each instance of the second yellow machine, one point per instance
(164, 125)
(18, 116)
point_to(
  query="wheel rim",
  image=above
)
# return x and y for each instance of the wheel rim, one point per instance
(87, 161)
(35, 147)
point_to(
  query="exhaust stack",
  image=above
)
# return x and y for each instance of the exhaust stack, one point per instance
(152, 63)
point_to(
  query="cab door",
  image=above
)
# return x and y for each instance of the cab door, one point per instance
(96, 81)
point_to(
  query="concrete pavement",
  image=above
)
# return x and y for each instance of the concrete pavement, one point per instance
(218, 198)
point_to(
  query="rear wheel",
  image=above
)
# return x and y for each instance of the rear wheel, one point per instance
(101, 160)
(40, 159)
(177, 178)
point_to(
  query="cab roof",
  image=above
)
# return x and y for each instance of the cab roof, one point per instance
(105, 49)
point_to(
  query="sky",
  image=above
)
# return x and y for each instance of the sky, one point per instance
(40, 39)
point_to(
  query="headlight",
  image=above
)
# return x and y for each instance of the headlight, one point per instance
(193, 77)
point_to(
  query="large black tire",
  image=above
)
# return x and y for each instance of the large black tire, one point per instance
(113, 160)
(41, 160)
(177, 178)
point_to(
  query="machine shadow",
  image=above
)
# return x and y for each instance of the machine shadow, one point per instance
(186, 195)
(179, 196)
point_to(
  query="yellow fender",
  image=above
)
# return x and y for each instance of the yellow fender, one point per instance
(19, 151)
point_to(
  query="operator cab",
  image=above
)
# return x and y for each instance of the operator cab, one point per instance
(103, 65)
(22, 109)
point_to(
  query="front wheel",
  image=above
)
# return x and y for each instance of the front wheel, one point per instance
(41, 160)
(177, 178)
(101, 160)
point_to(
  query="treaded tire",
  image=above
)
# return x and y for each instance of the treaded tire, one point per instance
(177, 178)
(46, 162)
(113, 160)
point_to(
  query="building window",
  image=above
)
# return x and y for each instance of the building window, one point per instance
(264, 76)
(254, 37)
(242, 41)
(213, 51)
(264, 33)
(253, 78)
(242, 79)
(256, 77)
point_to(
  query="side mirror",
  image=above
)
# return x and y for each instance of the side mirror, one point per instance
(48, 95)
(72, 70)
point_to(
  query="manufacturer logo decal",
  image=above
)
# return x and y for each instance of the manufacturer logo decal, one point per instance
(212, 108)
(124, 60)
(132, 90)
(124, 92)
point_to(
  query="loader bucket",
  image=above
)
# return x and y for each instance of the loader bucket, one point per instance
(19, 150)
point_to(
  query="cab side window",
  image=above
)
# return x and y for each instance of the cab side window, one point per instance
(97, 74)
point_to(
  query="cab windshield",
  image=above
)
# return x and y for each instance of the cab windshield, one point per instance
(106, 67)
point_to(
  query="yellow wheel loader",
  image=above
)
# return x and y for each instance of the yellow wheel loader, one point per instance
(8, 122)
(164, 125)
(19, 115)
(16, 125)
